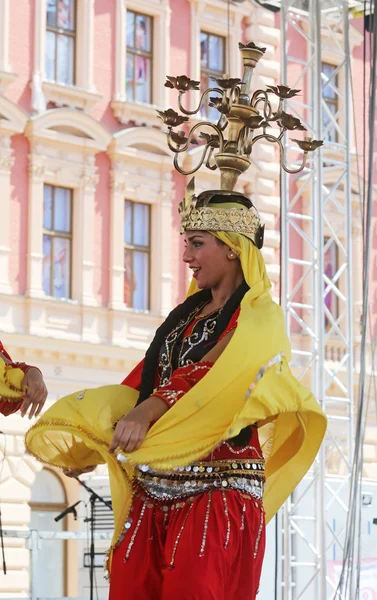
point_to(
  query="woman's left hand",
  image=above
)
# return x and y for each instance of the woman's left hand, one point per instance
(131, 429)
(36, 393)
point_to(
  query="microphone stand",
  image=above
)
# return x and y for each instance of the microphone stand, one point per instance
(1, 520)
(66, 511)
(93, 497)
(2, 545)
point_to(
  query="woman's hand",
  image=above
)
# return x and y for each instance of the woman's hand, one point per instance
(77, 472)
(131, 430)
(36, 393)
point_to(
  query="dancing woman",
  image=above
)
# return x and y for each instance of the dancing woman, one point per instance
(208, 436)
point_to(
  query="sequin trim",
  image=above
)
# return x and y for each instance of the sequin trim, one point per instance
(257, 541)
(273, 361)
(243, 475)
(226, 511)
(205, 529)
(134, 534)
(242, 450)
(171, 565)
(243, 517)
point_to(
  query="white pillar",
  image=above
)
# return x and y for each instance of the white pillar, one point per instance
(85, 208)
(165, 254)
(4, 35)
(120, 52)
(6, 164)
(34, 287)
(118, 192)
(85, 45)
(39, 38)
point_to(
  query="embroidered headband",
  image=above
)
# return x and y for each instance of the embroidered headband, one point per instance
(197, 214)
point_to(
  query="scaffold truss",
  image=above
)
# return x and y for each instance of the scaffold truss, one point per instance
(316, 285)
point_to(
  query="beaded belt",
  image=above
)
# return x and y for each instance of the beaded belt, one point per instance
(243, 475)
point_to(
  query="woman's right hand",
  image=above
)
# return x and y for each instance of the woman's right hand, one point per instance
(77, 472)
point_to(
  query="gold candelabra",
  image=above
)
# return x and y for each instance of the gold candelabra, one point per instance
(245, 118)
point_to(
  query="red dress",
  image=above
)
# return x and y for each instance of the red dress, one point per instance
(197, 532)
(6, 407)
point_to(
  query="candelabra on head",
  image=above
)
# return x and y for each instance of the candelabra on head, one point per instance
(245, 118)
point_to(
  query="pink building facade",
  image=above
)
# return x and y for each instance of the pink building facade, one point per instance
(90, 252)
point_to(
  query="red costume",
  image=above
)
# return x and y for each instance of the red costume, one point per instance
(8, 408)
(204, 521)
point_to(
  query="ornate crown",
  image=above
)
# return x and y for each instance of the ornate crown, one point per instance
(196, 215)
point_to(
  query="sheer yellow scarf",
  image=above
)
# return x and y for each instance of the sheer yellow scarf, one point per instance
(250, 383)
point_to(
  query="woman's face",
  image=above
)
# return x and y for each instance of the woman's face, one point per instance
(208, 258)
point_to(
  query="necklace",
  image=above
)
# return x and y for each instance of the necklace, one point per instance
(201, 314)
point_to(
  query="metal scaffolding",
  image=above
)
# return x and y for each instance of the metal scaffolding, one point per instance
(316, 284)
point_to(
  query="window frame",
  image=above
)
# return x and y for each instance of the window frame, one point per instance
(210, 73)
(144, 53)
(53, 234)
(331, 101)
(123, 107)
(138, 248)
(67, 33)
(82, 94)
(211, 16)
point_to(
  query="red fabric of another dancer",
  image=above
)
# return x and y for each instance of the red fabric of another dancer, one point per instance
(8, 408)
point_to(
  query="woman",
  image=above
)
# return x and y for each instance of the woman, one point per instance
(32, 391)
(186, 466)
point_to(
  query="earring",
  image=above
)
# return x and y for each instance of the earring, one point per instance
(231, 255)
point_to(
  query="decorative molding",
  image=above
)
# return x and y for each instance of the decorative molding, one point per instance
(12, 118)
(6, 154)
(6, 78)
(37, 169)
(137, 113)
(69, 96)
(65, 333)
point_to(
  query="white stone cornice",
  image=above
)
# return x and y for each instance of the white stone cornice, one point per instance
(70, 96)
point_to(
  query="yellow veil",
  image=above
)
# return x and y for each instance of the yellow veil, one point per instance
(250, 382)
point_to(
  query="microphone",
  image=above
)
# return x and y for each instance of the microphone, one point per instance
(70, 509)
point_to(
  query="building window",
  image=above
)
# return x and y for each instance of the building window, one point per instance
(61, 41)
(139, 57)
(330, 269)
(212, 64)
(137, 247)
(57, 241)
(330, 96)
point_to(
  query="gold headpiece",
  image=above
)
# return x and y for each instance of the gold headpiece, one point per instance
(244, 118)
(198, 215)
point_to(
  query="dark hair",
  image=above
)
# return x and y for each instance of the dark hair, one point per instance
(181, 312)
(223, 197)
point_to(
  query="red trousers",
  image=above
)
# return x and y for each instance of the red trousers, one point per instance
(207, 548)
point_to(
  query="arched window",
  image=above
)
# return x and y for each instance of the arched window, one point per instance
(48, 499)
